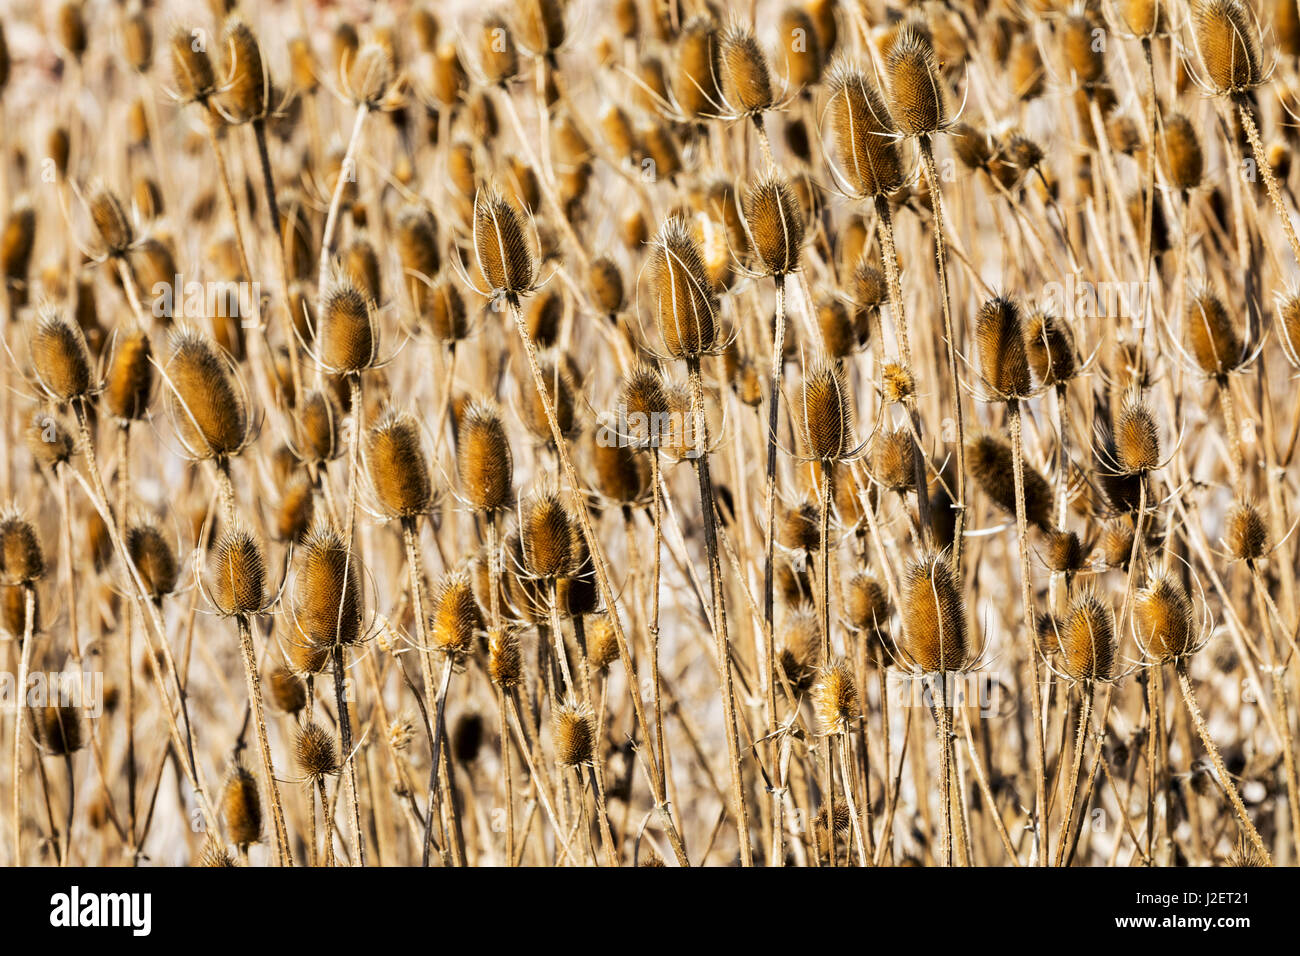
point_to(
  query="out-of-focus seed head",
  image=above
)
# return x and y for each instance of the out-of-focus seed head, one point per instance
(241, 805)
(130, 376)
(1184, 158)
(1162, 612)
(58, 730)
(934, 616)
(504, 255)
(1000, 340)
(1142, 17)
(991, 465)
(1082, 53)
(1025, 68)
(574, 735)
(804, 56)
(288, 690)
(893, 457)
(319, 428)
(606, 282)
(1228, 44)
(1213, 338)
(746, 79)
(798, 526)
(1049, 349)
(21, 558)
(1086, 638)
(561, 391)
(1063, 552)
(245, 84)
(602, 643)
(622, 476)
(865, 604)
(775, 223)
(399, 469)
(505, 662)
(49, 441)
(327, 589)
(154, 559)
(915, 86)
(1245, 532)
(541, 25)
(370, 77)
(898, 383)
(866, 148)
(237, 574)
(835, 699)
(17, 242)
(826, 412)
(297, 507)
(483, 459)
(60, 356)
(699, 69)
(206, 403)
(192, 72)
(497, 52)
(111, 223)
(683, 294)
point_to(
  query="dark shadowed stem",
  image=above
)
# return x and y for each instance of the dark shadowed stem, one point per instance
(1081, 738)
(283, 853)
(439, 732)
(345, 731)
(503, 729)
(769, 640)
(828, 773)
(1027, 601)
(1226, 781)
(128, 625)
(656, 571)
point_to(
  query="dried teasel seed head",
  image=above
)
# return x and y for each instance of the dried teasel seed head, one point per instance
(746, 79)
(297, 508)
(1184, 158)
(541, 25)
(504, 255)
(561, 391)
(826, 412)
(241, 805)
(130, 376)
(192, 72)
(346, 336)
(72, 28)
(1000, 341)
(60, 356)
(682, 292)
(799, 526)
(237, 573)
(327, 589)
(989, 459)
(319, 428)
(288, 690)
(1142, 17)
(1245, 532)
(315, 753)
(399, 469)
(699, 69)
(865, 604)
(360, 262)
(445, 315)
(49, 441)
(1213, 338)
(206, 403)
(111, 222)
(898, 383)
(505, 662)
(621, 474)
(804, 55)
(973, 147)
(1082, 53)
(58, 730)
(497, 52)
(245, 85)
(835, 699)
(574, 735)
(775, 223)
(1086, 638)
(1117, 542)
(1228, 44)
(606, 283)
(1063, 552)
(915, 86)
(1136, 437)
(21, 558)
(13, 610)
(644, 407)
(371, 76)
(456, 614)
(154, 559)
(866, 149)
(1162, 612)
(893, 460)
(1049, 349)
(17, 242)
(934, 616)
(483, 459)
(602, 644)
(417, 247)
(546, 532)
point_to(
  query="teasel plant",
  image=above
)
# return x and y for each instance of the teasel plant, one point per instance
(22, 564)
(507, 263)
(317, 758)
(59, 732)
(236, 587)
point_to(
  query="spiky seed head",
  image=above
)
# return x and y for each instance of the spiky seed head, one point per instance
(288, 690)
(1082, 54)
(991, 465)
(456, 615)
(483, 459)
(893, 460)
(799, 526)
(561, 391)
(1049, 349)
(1245, 532)
(915, 86)
(1228, 43)
(297, 506)
(192, 72)
(898, 383)
(1063, 552)
(130, 376)
(498, 54)
(320, 428)
(546, 533)
(800, 646)
(206, 403)
(244, 82)
(360, 262)
(1117, 542)
(746, 79)
(346, 335)
(835, 699)
(973, 147)
(58, 730)
(1215, 344)
(445, 315)
(49, 441)
(111, 223)
(839, 336)
(775, 224)
(1137, 439)
(1246, 854)
(504, 255)
(866, 148)
(699, 69)
(13, 610)
(21, 558)
(683, 294)
(1000, 339)
(643, 401)
(315, 752)
(602, 644)
(1163, 614)
(865, 603)
(574, 735)
(237, 573)
(398, 466)
(933, 615)
(241, 805)
(327, 589)
(1184, 158)
(154, 559)
(505, 662)
(1086, 638)
(826, 409)
(60, 356)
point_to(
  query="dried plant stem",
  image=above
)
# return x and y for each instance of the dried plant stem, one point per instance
(327, 808)
(943, 723)
(656, 689)
(1229, 787)
(282, 848)
(20, 717)
(503, 728)
(338, 663)
(1085, 718)
(1270, 181)
(1027, 603)
(1236, 454)
(273, 213)
(212, 126)
(847, 778)
(602, 575)
(331, 218)
(1277, 675)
